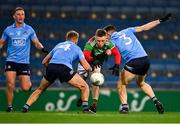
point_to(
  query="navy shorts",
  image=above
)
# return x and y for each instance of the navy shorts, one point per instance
(58, 71)
(138, 66)
(19, 68)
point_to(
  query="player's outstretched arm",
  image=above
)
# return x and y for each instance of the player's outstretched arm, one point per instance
(38, 45)
(152, 24)
(85, 65)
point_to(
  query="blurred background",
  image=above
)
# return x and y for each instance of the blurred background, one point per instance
(51, 19)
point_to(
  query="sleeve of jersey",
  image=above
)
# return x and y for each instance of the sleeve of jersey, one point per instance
(80, 53)
(87, 55)
(4, 35)
(131, 29)
(117, 55)
(87, 52)
(51, 52)
(33, 34)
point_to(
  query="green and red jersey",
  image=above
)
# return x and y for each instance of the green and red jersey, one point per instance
(91, 51)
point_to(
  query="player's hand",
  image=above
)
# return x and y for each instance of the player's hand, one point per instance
(96, 63)
(115, 69)
(108, 52)
(165, 18)
(44, 51)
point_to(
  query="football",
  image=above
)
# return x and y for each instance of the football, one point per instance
(97, 78)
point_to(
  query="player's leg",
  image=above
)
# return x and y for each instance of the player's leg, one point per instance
(10, 82)
(25, 82)
(10, 73)
(35, 95)
(84, 74)
(144, 86)
(149, 91)
(124, 79)
(50, 77)
(95, 92)
(23, 71)
(95, 97)
(78, 82)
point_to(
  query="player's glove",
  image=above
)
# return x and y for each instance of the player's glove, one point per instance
(165, 18)
(44, 51)
(115, 69)
(96, 63)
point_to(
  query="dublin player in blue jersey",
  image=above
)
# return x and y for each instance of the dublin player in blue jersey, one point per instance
(136, 61)
(59, 66)
(18, 38)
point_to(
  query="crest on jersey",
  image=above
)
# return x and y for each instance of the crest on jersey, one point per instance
(25, 33)
(18, 33)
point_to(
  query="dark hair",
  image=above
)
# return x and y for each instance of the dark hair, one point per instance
(71, 34)
(110, 28)
(17, 8)
(100, 32)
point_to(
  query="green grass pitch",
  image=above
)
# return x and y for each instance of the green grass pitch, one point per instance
(78, 117)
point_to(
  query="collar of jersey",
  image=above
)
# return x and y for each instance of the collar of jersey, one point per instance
(14, 25)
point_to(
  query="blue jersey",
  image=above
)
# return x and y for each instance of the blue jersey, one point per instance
(128, 45)
(65, 53)
(18, 43)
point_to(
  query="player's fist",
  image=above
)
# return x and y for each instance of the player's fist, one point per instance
(44, 51)
(96, 63)
(165, 18)
(108, 52)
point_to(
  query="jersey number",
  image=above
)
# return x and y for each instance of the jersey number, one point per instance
(65, 47)
(126, 39)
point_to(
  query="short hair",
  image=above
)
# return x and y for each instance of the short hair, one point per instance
(100, 32)
(17, 8)
(110, 28)
(71, 34)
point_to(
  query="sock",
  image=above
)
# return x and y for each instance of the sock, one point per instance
(124, 106)
(85, 105)
(26, 106)
(94, 102)
(154, 99)
(9, 106)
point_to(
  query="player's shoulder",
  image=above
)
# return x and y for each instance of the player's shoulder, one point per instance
(74, 46)
(91, 41)
(76, 49)
(130, 29)
(10, 27)
(28, 26)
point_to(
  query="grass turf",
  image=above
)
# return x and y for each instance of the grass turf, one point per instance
(78, 117)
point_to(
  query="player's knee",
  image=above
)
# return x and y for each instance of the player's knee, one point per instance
(119, 86)
(27, 88)
(10, 86)
(141, 84)
(120, 83)
(95, 86)
(84, 87)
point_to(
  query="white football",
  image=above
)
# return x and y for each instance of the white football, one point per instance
(97, 78)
